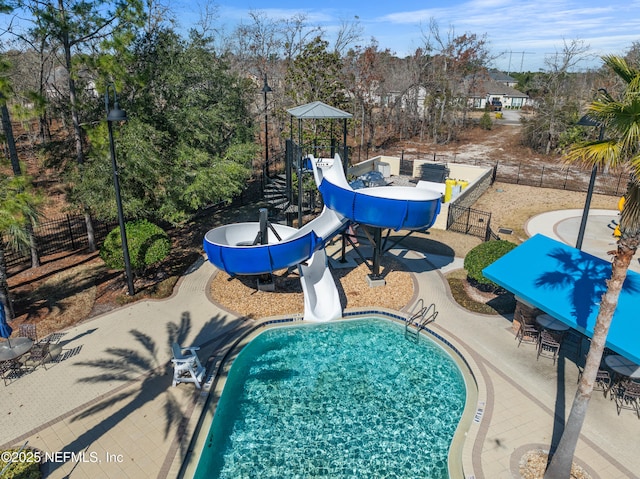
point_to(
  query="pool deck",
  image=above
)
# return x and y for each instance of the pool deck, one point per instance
(109, 400)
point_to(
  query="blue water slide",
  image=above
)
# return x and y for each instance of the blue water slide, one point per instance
(384, 207)
(226, 247)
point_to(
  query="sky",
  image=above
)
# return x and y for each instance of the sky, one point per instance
(521, 34)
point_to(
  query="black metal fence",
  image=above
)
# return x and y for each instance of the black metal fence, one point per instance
(544, 176)
(572, 179)
(57, 235)
(471, 222)
(69, 233)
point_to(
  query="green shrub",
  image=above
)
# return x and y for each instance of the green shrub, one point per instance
(485, 121)
(482, 256)
(147, 242)
(25, 469)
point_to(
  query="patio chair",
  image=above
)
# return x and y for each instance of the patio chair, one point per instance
(548, 347)
(38, 356)
(10, 370)
(186, 366)
(527, 333)
(627, 396)
(604, 381)
(5, 371)
(28, 330)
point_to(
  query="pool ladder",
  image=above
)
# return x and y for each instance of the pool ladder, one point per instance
(417, 322)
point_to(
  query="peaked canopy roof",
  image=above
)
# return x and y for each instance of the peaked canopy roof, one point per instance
(567, 284)
(317, 109)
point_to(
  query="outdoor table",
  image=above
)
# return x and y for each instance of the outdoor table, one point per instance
(549, 322)
(622, 366)
(19, 346)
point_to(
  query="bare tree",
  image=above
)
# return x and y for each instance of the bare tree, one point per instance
(365, 79)
(350, 32)
(448, 77)
(557, 96)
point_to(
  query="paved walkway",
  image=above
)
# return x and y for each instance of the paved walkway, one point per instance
(107, 408)
(563, 225)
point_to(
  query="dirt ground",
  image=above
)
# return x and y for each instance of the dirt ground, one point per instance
(70, 288)
(512, 205)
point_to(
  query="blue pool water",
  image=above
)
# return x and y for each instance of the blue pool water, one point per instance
(349, 399)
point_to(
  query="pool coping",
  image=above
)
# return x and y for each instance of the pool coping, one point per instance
(460, 457)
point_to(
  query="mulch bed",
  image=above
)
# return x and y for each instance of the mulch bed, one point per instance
(242, 296)
(534, 464)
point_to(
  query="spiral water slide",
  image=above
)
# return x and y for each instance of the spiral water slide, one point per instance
(239, 248)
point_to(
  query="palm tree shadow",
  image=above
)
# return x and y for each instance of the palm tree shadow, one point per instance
(144, 378)
(584, 281)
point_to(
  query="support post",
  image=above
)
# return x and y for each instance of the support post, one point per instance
(264, 230)
(265, 281)
(375, 279)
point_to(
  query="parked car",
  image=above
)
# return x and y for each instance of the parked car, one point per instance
(496, 105)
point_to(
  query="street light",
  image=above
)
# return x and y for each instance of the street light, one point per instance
(265, 89)
(586, 121)
(118, 115)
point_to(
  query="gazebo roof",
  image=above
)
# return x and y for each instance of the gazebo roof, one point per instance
(568, 284)
(317, 109)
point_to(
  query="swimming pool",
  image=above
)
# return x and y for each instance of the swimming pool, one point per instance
(346, 399)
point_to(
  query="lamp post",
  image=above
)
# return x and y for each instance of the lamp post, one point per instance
(586, 121)
(116, 114)
(265, 167)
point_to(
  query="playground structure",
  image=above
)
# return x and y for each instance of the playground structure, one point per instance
(259, 248)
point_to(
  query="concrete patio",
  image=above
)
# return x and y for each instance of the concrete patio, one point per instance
(107, 408)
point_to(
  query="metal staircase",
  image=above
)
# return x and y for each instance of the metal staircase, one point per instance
(419, 320)
(275, 194)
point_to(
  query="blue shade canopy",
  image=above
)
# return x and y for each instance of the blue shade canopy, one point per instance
(567, 284)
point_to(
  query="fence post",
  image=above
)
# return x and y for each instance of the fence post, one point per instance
(487, 233)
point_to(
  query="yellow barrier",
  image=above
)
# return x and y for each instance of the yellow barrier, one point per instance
(448, 189)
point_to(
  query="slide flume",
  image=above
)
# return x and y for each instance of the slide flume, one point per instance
(397, 207)
(231, 247)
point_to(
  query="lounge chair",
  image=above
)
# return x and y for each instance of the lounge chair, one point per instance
(186, 366)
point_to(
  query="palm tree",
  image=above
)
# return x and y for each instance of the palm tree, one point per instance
(7, 128)
(18, 211)
(622, 148)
